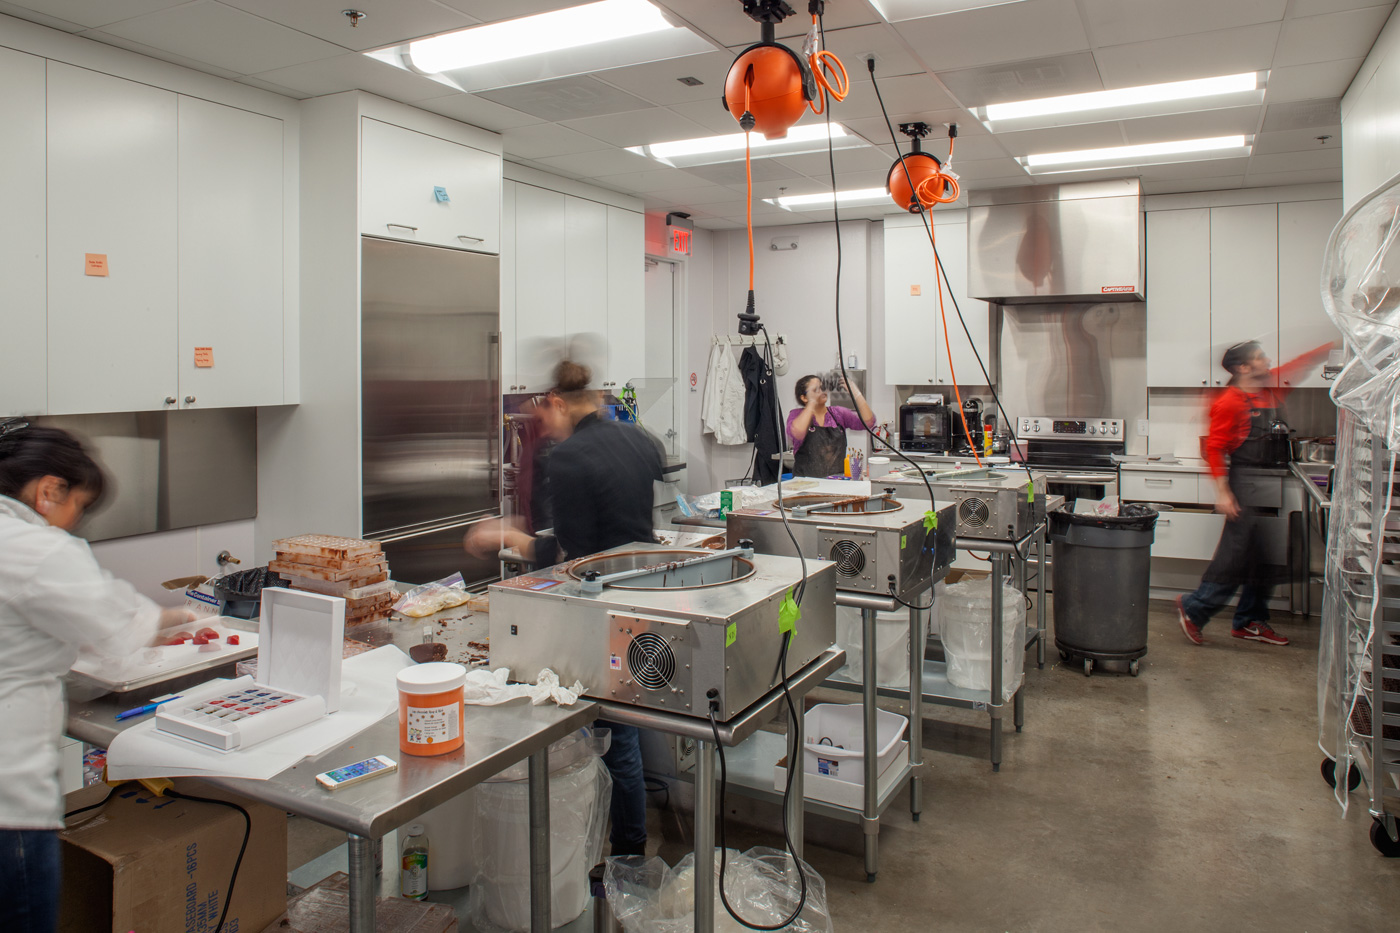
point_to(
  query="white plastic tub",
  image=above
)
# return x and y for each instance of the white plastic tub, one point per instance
(835, 740)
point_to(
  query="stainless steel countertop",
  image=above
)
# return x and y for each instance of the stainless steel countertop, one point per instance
(1304, 472)
(496, 738)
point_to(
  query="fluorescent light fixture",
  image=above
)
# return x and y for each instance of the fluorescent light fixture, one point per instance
(707, 150)
(1126, 103)
(811, 202)
(896, 11)
(569, 28)
(1184, 150)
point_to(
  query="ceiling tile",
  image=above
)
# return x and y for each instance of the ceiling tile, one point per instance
(1269, 179)
(596, 164)
(1297, 140)
(1118, 22)
(99, 35)
(1304, 82)
(1304, 161)
(1301, 8)
(386, 22)
(489, 11)
(725, 22)
(658, 82)
(92, 13)
(816, 164)
(717, 223)
(274, 88)
(1349, 34)
(1014, 31)
(638, 128)
(43, 19)
(553, 170)
(1181, 185)
(1198, 125)
(1302, 114)
(647, 181)
(1205, 168)
(687, 198)
(547, 139)
(1228, 51)
(974, 169)
(709, 114)
(226, 38)
(1062, 138)
(563, 98)
(478, 112)
(732, 173)
(853, 46)
(353, 71)
(875, 130)
(902, 93)
(1025, 80)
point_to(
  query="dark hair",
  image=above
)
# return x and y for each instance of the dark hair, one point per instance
(1239, 355)
(29, 452)
(801, 388)
(571, 380)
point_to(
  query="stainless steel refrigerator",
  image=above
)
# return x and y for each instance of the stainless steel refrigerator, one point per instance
(430, 404)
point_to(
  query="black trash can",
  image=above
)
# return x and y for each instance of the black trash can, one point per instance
(1100, 573)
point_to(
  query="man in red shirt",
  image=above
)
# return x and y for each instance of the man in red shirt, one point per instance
(1241, 427)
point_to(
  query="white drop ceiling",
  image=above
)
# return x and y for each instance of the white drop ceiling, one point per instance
(930, 69)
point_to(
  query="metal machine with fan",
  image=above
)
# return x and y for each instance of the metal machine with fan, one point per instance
(997, 504)
(877, 544)
(663, 627)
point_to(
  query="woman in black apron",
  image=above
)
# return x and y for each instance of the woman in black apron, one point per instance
(1242, 424)
(818, 431)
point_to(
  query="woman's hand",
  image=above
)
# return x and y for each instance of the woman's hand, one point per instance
(174, 618)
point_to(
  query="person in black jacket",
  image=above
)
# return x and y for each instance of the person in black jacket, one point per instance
(600, 480)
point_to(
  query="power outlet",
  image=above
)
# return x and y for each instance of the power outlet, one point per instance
(1142, 427)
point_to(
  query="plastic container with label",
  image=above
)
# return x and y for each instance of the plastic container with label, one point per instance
(431, 712)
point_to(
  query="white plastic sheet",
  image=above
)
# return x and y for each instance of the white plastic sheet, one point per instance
(492, 688)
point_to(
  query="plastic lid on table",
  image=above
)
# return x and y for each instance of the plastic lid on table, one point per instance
(433, 677)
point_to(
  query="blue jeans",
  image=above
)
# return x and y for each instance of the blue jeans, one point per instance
(629, 791)
(1210, 598)
(31, 870)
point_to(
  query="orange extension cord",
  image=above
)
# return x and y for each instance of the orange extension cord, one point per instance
(948, 345)
(829, 73)
(926, 190)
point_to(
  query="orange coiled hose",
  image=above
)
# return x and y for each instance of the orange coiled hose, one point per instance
(827, 70)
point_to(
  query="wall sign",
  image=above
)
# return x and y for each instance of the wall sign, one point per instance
(95, 264)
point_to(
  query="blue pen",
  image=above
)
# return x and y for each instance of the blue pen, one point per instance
(142, 710)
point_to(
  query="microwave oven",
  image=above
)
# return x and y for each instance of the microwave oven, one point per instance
(925, 427)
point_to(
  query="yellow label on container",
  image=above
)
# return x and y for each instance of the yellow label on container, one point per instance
(731, 634)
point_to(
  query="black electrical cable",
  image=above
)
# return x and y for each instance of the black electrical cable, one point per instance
(910, 605)
(793, 764)
(92, 806)
(801, 589)
(238, 862)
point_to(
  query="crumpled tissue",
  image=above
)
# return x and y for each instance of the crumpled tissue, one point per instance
(492, 688)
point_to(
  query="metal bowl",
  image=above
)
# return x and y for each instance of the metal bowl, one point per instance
(862, 507)
(664, 575)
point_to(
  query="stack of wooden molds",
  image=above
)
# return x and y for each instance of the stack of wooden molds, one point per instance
(351, 568)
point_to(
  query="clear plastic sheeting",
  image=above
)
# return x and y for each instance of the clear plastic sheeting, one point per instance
(965, 625)
(580, 792)
(648, 896)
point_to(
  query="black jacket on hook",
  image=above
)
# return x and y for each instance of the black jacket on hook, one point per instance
(761, 415)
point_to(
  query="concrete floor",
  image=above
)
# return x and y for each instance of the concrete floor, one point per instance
(1188, 798)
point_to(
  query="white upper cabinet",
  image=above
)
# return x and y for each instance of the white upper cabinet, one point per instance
(585, 279)
(508, 299)
(112, 337)
(1243, 280)
(540, 289)
(963, 366)
(24, 345)
(425, 189)
(626, 296)
(1303, 229)
(230, 263)
(1179, 298)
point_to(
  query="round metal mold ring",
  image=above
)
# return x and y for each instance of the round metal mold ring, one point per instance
(857, 508)
(658, 561)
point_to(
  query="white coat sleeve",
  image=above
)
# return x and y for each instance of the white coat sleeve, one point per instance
(74, 600)
(731, 405)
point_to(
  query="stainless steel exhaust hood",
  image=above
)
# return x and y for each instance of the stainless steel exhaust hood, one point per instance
(1054, 243)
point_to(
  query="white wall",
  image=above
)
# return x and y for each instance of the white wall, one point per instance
(146, 560)
(1371, 118)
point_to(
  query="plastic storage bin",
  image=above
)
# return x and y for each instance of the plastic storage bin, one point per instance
(965, 625)
(835, 739)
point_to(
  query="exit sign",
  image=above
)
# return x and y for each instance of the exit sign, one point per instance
(680, 241)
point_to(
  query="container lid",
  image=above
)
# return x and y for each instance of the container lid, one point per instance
(415, 829)
(433, 677)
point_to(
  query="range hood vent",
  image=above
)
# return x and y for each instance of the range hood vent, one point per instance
(1055, 243)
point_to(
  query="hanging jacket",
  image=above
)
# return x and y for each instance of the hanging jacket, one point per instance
(722, 411)
(760, 414)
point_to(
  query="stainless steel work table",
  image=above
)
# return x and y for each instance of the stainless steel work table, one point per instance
(731, 734)
(496, 738)
(1315, 500)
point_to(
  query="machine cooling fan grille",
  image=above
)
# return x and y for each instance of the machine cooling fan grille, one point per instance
(974, 512)
(650, 661)
(849, 558)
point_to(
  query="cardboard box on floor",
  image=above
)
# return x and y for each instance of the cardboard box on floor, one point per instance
(153, 864)
(325, 908)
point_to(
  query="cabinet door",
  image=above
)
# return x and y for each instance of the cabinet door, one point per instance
(508, 264)
(1243, 280)
(586, 284)
(911, 320)
(400, 174)
(1303, 229)
(230, 196)
(963, 364)
(626, 295)
(539, 286)
(24, 346)
(1178, 298)
(111, 192)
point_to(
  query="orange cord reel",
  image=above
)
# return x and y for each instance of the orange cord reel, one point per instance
(917, 180)
(769, 86)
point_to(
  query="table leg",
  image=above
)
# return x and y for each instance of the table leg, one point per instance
(1019, 708)
(994, 707)
(870, 818)
(705, 837)
(541, 889)
(1307, 554)
(916, 710)
(796, 803)
(363, 888)
(1040, 588)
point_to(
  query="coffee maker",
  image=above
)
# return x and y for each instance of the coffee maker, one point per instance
(963, 444)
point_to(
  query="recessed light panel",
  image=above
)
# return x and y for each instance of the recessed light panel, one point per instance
(1126, 103)
(856, 197)
(1114, 157)
(729, 147)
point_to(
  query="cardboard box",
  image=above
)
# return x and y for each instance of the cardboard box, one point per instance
(153, 864)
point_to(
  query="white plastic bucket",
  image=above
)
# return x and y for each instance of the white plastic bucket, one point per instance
(965, 626)
(835, 744)
(452, 828)
(891, 646)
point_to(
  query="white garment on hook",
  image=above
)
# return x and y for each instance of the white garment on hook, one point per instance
(780, 357)
(722, 412)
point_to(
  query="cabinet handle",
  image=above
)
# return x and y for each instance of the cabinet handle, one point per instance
(170, 400)
(405, 226)
(1163, 521)
(1205, 382)
(1157, 482)
(474, 239)
(189, 399)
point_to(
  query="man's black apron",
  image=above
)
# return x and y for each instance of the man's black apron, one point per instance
(1240, 557)
(823, 451)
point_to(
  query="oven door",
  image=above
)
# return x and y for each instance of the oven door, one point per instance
(1081, 484)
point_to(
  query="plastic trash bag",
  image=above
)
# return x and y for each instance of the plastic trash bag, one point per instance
(429, 598)
(648, 896)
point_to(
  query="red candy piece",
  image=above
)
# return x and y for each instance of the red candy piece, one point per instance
(176, 641)
(208, 633)
(201, 639)
(233, 639)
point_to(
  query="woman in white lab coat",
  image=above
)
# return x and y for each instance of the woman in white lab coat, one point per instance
(54, 601)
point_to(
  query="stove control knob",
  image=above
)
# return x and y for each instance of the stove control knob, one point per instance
(1037, 427)
(1025, 425)
(1092, 429)
(1115, 429)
